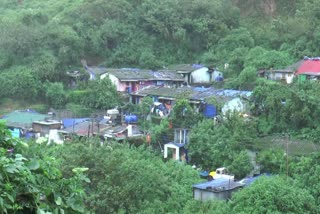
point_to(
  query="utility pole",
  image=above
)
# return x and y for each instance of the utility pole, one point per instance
(287, 154)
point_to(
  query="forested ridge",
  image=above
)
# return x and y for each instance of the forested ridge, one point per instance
(40, 41)
(49, 38)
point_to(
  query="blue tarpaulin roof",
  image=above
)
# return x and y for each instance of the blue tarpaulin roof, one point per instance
(220, 184)
(249, 180)
(69, 122)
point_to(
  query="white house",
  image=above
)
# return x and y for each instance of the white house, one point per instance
(196, 74)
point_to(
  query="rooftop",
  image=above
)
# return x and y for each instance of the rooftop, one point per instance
(193, 93)
(185, 68)
(134, 74)
(23, 118)
(218, 185)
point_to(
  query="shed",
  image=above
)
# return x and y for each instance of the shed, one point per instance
(44, 127)
(220, 188)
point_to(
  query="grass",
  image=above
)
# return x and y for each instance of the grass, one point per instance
(294, 146)
(8, 105)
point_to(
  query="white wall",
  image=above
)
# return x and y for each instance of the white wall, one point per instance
(113, 79)
(200, 75)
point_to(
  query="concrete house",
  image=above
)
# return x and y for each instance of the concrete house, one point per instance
(196, 73)
(309, 69)
(132, 79)
(179, 152)
(218, 189)
(232, 100)
(20, 122)
(285, 74)
(44, 127)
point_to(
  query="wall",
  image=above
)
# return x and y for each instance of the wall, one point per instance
(279, 76)
(200, 75)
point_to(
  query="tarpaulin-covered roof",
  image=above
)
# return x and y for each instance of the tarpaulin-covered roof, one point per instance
(310, 66)
(194, 93)
(23, 118)
(218, 185)
(69, 122)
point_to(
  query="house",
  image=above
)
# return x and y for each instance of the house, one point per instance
(286, 74)
(179, 152)
(198, 97)
(133, 79)
(44, 127)
(221, 188)
(20, 122)
(309, 69)
(130, 80)
(122, 132)
(196, 73)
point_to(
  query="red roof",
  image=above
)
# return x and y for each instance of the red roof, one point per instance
(309, 67)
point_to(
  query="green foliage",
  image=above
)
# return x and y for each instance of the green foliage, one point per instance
(282, 107)
(272, 161)
(20, 83)
(101, 94)
(30, 185)
(184, 116)
(55, 94)
(144, 109)
(130, 180)
(273, 195)
(216, 145)
(78, 110)
(306, 173)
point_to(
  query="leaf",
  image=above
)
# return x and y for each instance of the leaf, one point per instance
(11, 168)
(79, 169)
(10, 197)
(58, 201)
(1, 202)
(33, 164)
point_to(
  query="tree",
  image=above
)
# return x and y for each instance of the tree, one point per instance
(184, 116)
(273, 195)
(55, 94)
(35, 185)
(101, 94)
(132, 180)
(216, 145)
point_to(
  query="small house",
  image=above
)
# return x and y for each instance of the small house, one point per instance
(179, 152)
(44, 127)
(197, 73)
(132, 79)
(220, 189)
(20, 122)
(309, 69)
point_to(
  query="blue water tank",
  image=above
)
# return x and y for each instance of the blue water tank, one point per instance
(131, 118)
(210, 111)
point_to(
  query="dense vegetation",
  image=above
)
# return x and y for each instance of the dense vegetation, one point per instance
(40, 41)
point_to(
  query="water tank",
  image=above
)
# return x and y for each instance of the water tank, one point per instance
(210, 111)
(131, 118)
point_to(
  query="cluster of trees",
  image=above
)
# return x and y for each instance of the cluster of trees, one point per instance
(33, 184)
(124, 179)
(40, 41)
(287, 108)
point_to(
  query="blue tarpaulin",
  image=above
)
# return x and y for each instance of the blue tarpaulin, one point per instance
(69, 122)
